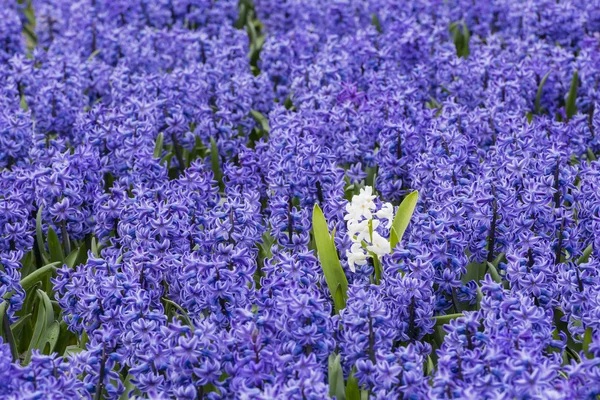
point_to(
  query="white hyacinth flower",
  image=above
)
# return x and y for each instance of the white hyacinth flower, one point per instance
(386, 212)
(354, 213)
(361, 205)
(362, 223)
(359, 231)
(356, 256)
(380, 246)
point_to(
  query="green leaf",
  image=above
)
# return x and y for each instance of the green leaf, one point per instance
(444, 319)
(251, 29)
(371, 179)
(49, 338)
(404, 214)
(570, 106)
(393, 238)
(46, 304)
(181, 310)
(94, 247)
(563, 326)
(352, 388)
(261, 119)
(39, 234)
(376, 23)
(44, 320)
(129, 388)
(338, 297)
(64, 339)
(332, 269)
(461, 36)
(494, 273)
(167, 159)
(429, 366)
(158, 147)
(538, 96)
(37, 275)
(585, 257)
(214, 159)
(26, 264)
(336, 377)
(72, 349)
(498, 259)
(590, 155)
(6, 332)
(210, 388)
(475, 272)
(587, 340)
(376, 267)
(17, 327)
(467, 36)
(265, 245)
(56, 253)
(71, 259)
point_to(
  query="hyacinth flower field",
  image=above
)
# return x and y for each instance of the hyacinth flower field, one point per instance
(302, 199)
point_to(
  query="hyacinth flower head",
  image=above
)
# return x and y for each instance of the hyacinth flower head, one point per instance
(367, 225)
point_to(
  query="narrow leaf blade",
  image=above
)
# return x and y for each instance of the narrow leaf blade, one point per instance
(39, 233)
(586, 255)
(393, 238)
(570, 106)
(587, 340)
(352, 388)
(214, 159)
(538, 96)
(158, 147)
(404, 213)
(56, 252)
(332, 269)
(336, 377)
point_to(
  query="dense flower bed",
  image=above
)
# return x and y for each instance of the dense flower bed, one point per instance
(162, 163)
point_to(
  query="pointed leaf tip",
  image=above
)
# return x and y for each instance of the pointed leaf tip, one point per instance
(404, 214)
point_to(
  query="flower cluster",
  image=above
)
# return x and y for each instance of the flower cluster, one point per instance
(364, 226)
(160, 161)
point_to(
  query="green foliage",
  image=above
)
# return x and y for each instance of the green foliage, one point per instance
(39, 235)
(71, 259)
(461, 36)
(403, 217)
(538, 96)
(181, 311)
(371, 177)
(261, 119)
(585, 257)
(336, 377)
(38, 275)
(352, 388)
(444, 319)
(570, 106)
(54, 247)
(429, 367)
(376, 23)
(587, 340)
(6, 331)
(562, 326)
(330, 262)
(158, 147)
(47, 329)
(215, 162)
